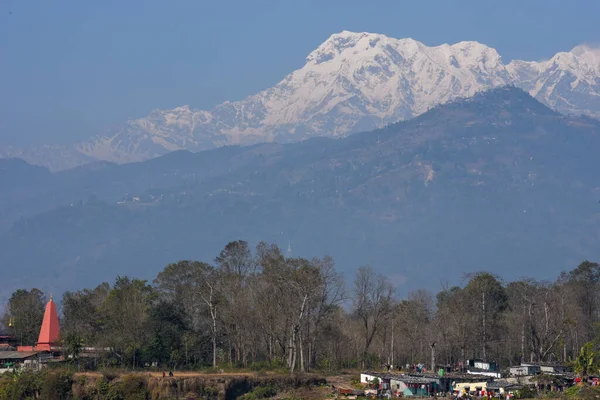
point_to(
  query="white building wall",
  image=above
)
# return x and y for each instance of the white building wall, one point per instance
(366, 378)
(397, 385)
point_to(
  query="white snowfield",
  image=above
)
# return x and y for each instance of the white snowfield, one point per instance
(351, 82)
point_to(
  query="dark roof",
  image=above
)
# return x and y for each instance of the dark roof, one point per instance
(17, 355)
(413, 379)
(480, 369)
(502, 384)
(466, 377)
(404, 378)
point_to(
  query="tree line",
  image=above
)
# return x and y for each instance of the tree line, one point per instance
(257, 306)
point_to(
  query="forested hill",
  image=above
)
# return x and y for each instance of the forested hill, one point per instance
(496, 182)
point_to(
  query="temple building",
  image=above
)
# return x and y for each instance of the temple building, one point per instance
(49, 332)
(33, 357)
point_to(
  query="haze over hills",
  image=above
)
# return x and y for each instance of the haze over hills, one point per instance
(497, 181)
(352, 82)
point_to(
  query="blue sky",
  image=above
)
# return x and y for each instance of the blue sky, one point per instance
(69, 68)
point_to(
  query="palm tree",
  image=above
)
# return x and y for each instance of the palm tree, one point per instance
(587, 360)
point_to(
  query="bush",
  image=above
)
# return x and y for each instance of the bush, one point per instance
(102, 386)
(553, 395)
(572, 391)
(20, 385)
(56, 385)
(131, 387)
(527, 393)
(109, 374)
(584, 392)
(261, 392)
(355, 382)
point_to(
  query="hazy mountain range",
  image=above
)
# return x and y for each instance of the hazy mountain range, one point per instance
(352, 82)
(497, 181)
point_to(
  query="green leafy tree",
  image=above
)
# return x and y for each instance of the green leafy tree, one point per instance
(587, 361)
(82, 319)
(194, 285)
(25, 314)
(125, 312)
(167, 327)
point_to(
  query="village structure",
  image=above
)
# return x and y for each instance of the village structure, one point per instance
(13, 356)
(477, 378)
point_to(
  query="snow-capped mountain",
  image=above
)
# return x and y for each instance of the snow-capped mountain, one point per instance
(569, 82)
(351, 82)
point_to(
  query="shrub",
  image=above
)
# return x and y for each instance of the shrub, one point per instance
(56, 385)
(131, 387)
(102, 386)
(261, 392)
(527, 393)
(20, 385)
(572, 391)
(585, 393)
(109, 375)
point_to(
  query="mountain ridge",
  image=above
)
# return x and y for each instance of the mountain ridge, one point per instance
(495, 181)
(351, 82)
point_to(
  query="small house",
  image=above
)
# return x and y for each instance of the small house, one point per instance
(502, 387)
(482, 365)
(10, 360)
(473, 388)
(548, 367)
(524, 370)
(408, 385)
(368, 377)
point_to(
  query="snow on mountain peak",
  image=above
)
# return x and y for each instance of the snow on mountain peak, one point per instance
(354, 81)
(589, 56)
(338, 43)
(568, 82)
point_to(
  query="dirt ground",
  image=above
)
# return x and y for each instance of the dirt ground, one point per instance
(186, 374)
(309, 393)
(340, 381)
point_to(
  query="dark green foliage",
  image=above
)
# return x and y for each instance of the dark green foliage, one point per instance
(125, 314)
(29, 385)
(24, 315)
(130, 387)
(56, 385)
(261, 392)
(102, 386)
(167, 325)
(527, 392)
(24, 386)
(82, 319)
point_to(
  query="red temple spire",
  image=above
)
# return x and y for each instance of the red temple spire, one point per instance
(50, 332)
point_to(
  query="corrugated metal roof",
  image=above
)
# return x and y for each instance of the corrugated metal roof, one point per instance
(406, 378)
(17, 355)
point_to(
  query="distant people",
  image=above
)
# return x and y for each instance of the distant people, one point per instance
(164, 374)
(171, 374)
